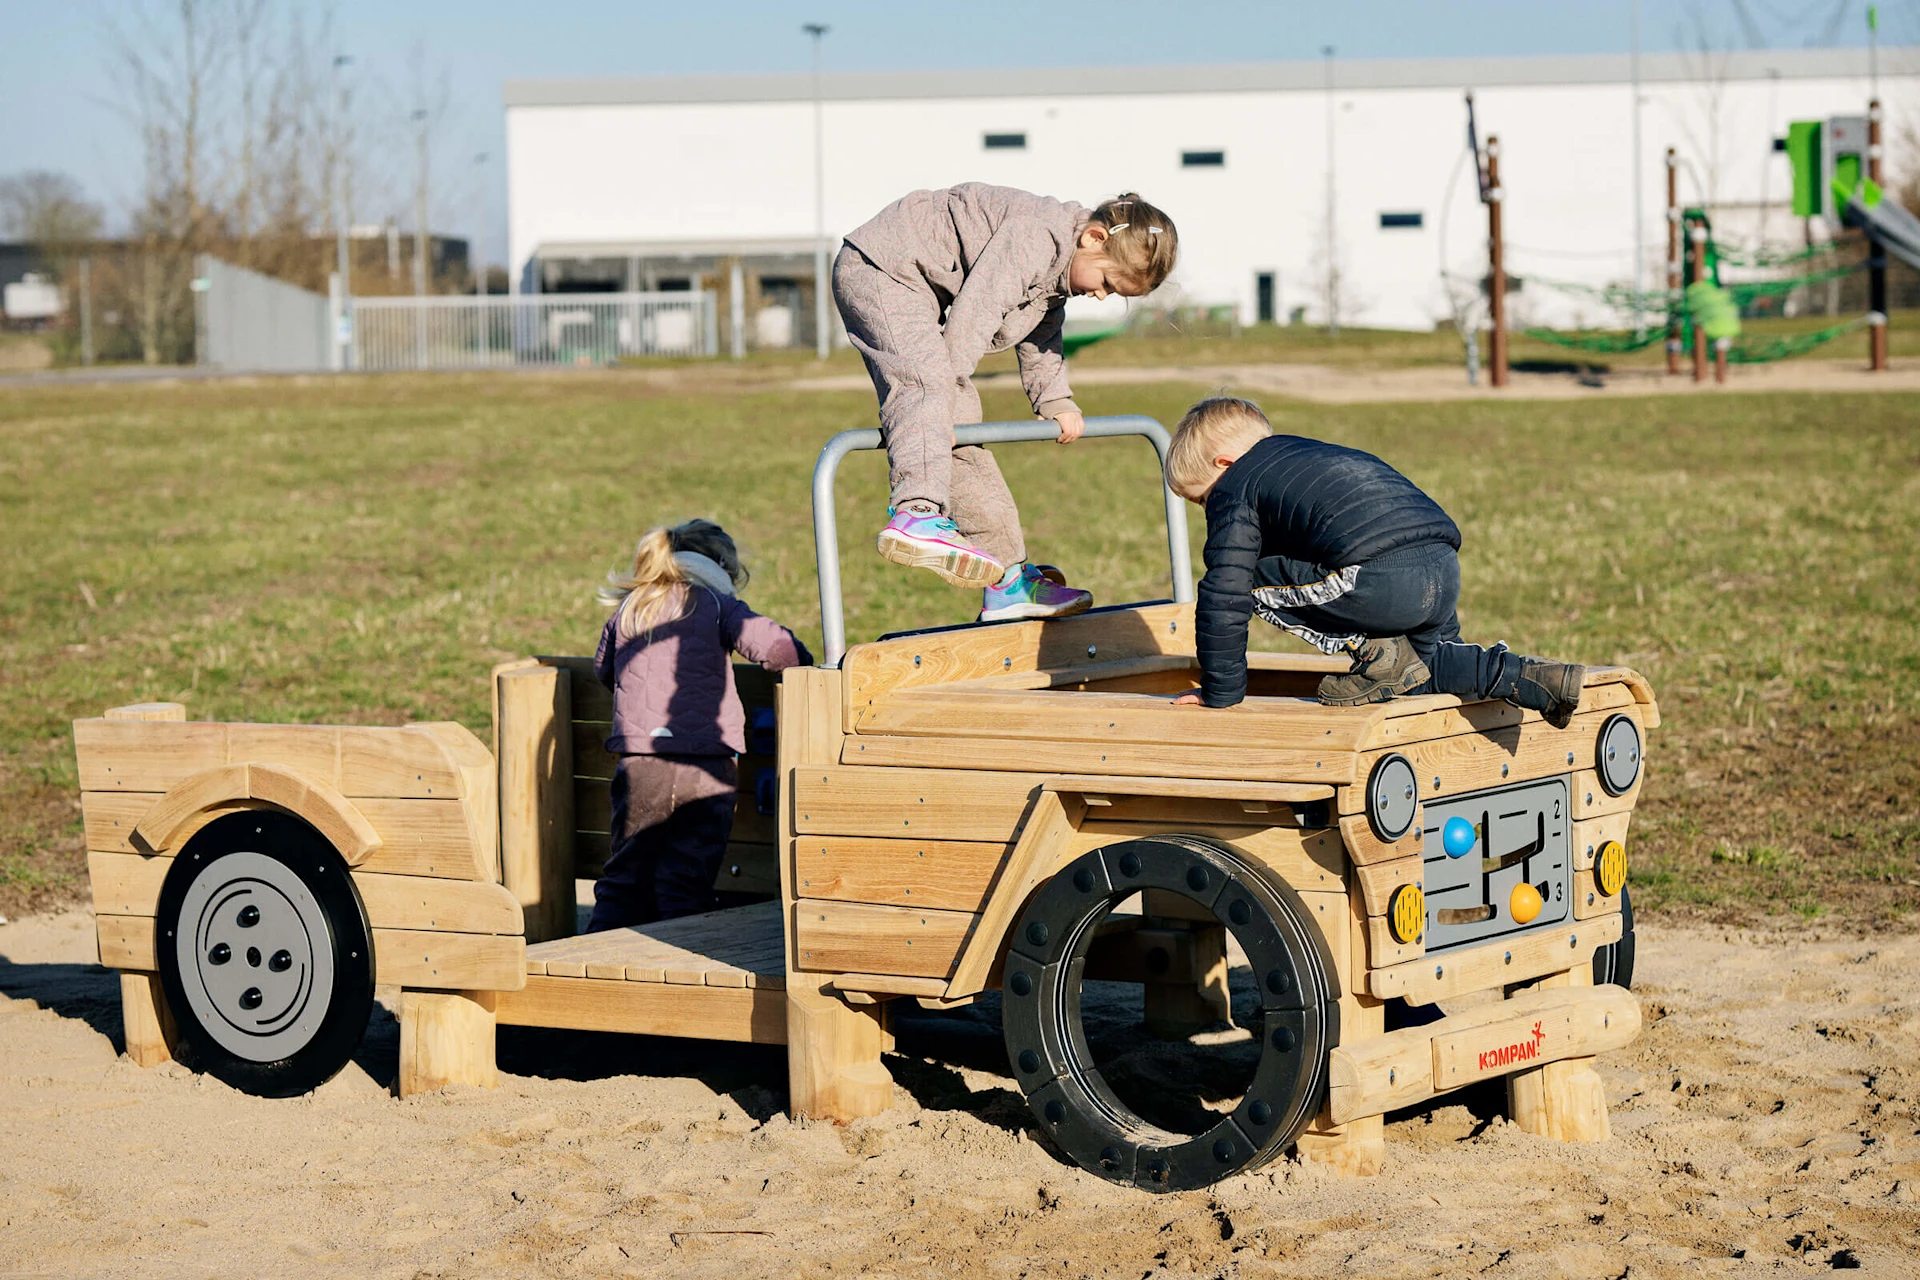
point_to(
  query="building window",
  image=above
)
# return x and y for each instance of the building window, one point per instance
(1402, 221)
(1263, 307)
(1005, 141)
(1203, 159)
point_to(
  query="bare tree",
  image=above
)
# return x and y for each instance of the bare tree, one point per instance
(47, 209)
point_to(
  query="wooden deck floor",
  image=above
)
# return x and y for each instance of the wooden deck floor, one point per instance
(740, 947)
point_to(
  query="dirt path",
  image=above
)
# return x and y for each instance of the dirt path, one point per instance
(1765, 1122)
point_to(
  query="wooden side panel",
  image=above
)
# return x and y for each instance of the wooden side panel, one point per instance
(449, 961)
(126, 884)
(1590, 835)
(1550, 1026)
(480, 790)
(1310, 861)
(1475, 761)
(1439, 716)
(423, 838)
(743, 1014)
(1379, 881)
(1588, 901)
(176, 711)
(130, 755)
(1119, 758)
(849, 937)
(1500, 963)
(443, 906)
(900, 803)
(126, 942)
(949, 875)
(1383, 951)
(1366, 848)
(1590, 799)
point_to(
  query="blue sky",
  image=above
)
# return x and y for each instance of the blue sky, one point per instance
(57, 84)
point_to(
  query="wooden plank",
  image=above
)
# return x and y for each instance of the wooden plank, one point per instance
(438, 905)
(974, 652)
(889, 984)
(756, 1015)
(1476, 761)
(1537, 1027)
(1365, 848)
(480, 789)
(1504, 962)
(1444, 716)
(535, 755)
(338, 820)
(1099, 758)
(846, 801)
(1590, 799)
(147, 711)
(1045, 844)
(126, 884)
(422, 838)
(855, 937)
(126, 942)
(1378, 1074)
(1259, 724)
(1379, 881)
(1088, 673)
(1383, 950)
(135, 755)
(591, 759)
(1588, 901)
(1193, 789)
(951, 875)
(1588, 836)
(117, 755)
(1309, 861)
(446, 1038)
(449, 961)
(147, 1026)
(109, 817)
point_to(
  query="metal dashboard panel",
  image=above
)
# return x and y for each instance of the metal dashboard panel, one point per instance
(1521, 834)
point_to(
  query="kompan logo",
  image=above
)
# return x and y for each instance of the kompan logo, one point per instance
(1508, 1054)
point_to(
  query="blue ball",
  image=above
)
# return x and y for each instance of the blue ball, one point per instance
(1459, 837)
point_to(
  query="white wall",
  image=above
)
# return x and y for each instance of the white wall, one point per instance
(714, 171)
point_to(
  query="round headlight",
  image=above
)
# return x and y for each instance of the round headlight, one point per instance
(1616, 757)
(1610, 868)
(1393, 797)
(1407, 913)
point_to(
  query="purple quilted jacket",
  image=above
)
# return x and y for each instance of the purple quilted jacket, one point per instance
(672, 686)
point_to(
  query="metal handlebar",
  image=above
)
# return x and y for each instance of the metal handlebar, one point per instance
(826, 532)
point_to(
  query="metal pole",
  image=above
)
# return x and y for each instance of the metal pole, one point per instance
(343, 324)
(1673, 262)
(826, 533)
(1876, 255)
(1639, 197)
(86, 311)
(477, 257)
(1333, 240)
(822, 335)
(1697, 248)
(737, 310)
(1497, 266)
(420, 239)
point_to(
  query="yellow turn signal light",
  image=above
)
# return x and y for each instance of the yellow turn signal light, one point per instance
(1524, 903)
(1610, 868)
(1407, 913)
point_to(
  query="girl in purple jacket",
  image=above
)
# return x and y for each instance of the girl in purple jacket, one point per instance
(666, 653)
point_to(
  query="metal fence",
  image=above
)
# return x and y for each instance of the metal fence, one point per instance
(557, 330)
(245, 322)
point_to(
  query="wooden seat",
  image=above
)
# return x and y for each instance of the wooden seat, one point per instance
(740, 947)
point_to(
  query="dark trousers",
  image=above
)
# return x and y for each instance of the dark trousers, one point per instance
(672, 816)
(1413, 592)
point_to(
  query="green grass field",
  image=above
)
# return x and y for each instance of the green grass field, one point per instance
(362, 551)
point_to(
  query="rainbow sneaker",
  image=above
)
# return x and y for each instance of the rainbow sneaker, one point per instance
(928, 540)
(1032, 595)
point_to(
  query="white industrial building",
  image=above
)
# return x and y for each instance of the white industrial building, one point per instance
(667, 182)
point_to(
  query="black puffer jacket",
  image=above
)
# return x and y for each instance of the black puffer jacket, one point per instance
(1308, 501)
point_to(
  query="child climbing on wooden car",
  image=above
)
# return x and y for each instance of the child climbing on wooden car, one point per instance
(1337, 547)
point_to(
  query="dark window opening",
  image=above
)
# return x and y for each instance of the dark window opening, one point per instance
(1005, 141)
(1263, 297)
(1202, 159)
(674, 284)
(1402, 221)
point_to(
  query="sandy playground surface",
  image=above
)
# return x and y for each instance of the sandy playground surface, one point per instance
(1764, 1123)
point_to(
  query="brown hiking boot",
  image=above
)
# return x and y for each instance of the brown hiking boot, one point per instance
(1383, 668)
(1551, 688)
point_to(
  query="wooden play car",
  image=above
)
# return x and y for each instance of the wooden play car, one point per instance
(1010, 808)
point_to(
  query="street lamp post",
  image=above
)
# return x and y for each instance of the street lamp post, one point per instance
(478, 255)
(821, 334)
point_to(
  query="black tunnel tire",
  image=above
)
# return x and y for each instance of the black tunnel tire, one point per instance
(321, 917)
(1046, 1043)
(1613, 963)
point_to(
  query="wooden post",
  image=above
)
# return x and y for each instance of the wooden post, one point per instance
(1564, 1100)
(1673, 262)
(1497, 266)
(1876, 257)
(1176, 1010)
(446, 1037)
(1697, 248)
(1357, 1148)
(146, 1021)
(536, 796)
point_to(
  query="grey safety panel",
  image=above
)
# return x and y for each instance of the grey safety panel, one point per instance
(1529, 828)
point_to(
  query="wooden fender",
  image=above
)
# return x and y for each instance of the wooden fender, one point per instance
(172, 818)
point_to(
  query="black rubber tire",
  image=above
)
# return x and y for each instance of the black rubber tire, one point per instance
(1613, 963)
(1046, 1041)
(344, 934)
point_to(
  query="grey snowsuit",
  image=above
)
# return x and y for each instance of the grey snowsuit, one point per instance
(936, 281)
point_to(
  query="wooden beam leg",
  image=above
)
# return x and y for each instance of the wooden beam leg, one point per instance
(145, 1019)
(834, 1070)
(1358, 1148)
(1564, 1100)
(446, 1037)
(1176, 1010)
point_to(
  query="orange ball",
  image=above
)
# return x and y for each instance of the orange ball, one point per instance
(1524, 903)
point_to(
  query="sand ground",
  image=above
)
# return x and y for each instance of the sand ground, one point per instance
(1767, 1122)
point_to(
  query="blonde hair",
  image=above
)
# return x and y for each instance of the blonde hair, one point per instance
(1141, 241)
(1217, 425)
(657, 582)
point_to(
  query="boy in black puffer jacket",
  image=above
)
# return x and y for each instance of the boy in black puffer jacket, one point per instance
(1337, 547)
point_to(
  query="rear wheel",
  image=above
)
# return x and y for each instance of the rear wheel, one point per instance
(1296, 1022)
(1613, 963)
(265, 954)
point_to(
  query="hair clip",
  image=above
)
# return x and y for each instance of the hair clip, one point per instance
(1118, 226)
(1154, 231)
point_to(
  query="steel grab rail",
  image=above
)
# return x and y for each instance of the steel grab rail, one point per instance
(826, 532)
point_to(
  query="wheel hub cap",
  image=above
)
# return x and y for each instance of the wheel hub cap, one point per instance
(255, 956)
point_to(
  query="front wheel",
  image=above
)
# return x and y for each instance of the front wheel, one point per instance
(265, 954)
(1613, 963)
(1285, 1059)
